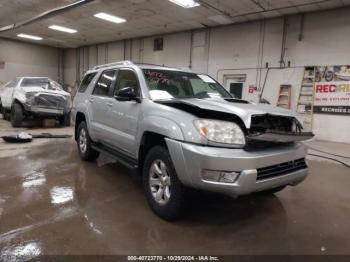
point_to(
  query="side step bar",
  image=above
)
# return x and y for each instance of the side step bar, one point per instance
(117, 155)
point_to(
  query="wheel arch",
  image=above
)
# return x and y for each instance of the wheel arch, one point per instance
(16, 101)
(149, 140)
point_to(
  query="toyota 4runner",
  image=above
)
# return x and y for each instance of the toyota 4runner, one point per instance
(34, 97)
(183, 130)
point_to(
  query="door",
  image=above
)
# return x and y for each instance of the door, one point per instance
(100, 101)
(123, 116)
(235, 85)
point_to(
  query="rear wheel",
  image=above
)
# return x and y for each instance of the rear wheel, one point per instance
(165, 193)
(16, 115)
(3, 113)
(86, 152)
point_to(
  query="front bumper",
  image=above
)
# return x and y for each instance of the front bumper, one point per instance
(48, 105)
(190, 160)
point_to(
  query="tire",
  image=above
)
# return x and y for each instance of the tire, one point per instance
(16, 115)
(171, 202)
(65, 120)
(3, 112)
(84, 143)
(271, 191)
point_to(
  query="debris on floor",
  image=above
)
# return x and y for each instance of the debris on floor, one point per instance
(24, 137)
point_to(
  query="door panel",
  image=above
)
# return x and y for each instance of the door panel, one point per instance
(100, 100)
(123, 116)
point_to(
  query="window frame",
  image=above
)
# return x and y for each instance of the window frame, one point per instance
(139, 93)
(87, 86)
(113, 84)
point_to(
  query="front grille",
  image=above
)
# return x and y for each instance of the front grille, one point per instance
(49, 101)
(262, 123)
(281, 169)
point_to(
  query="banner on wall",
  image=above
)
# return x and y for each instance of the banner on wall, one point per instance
(332, 90)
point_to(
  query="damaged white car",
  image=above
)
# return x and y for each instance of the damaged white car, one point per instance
(34, 97)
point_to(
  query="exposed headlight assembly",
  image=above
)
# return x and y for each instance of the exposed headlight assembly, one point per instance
(221, 132)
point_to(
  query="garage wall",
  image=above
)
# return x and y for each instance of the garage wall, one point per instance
(248, 49)
(25, 59)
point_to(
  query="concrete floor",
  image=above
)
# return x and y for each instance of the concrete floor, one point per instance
(53, 203)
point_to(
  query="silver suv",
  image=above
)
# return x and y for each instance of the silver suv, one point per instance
(34, 97)
(183, 130)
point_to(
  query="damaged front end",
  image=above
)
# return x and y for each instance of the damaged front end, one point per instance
(47, 104)
(263, 126)
(276, 129)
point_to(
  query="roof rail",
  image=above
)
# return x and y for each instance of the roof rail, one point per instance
(126, 62)
(150, 64)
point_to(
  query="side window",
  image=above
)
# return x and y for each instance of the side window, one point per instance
(104, 84)
(86, 82)
(127, 78)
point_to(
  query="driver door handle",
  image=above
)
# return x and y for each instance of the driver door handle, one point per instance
(91, 99)
(110, 104)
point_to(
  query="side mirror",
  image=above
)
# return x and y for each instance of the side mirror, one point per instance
(127, 94)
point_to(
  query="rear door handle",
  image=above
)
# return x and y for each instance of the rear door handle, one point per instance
(110, 104)
(91, 100)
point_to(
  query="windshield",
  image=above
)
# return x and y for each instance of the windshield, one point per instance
(43, 82)
(166, 84)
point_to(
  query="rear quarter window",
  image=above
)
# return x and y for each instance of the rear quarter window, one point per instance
(86, 82)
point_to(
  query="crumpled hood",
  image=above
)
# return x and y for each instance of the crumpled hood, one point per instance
(242, 110)
(45, 91)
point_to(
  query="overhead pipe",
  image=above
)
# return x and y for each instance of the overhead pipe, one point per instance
(301, 30)
(257, 3)
(45, 15)
(284, 39)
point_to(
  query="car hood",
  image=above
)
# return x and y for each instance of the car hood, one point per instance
(45, 91)
(240, 108)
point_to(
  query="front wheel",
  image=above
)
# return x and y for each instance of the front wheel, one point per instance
(164, 192)
(16, 115)
(86, 152)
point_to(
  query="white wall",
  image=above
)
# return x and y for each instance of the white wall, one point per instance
(245, 49)
(25, 59)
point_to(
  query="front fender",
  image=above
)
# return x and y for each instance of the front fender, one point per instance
(20, 95)
(160, 125)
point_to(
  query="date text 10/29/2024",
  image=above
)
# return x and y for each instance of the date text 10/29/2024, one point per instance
(173, 258)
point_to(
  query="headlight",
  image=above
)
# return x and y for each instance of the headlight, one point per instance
(220, 131)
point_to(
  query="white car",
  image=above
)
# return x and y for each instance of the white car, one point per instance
(34, 97)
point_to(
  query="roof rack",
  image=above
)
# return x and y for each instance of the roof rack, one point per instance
(126, 62)
(151, 64)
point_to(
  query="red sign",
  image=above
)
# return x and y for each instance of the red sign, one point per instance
(251, 89)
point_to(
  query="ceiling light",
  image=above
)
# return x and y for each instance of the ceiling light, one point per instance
(32, 37)
(110, 18)
(185, 3)
(63, 29)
